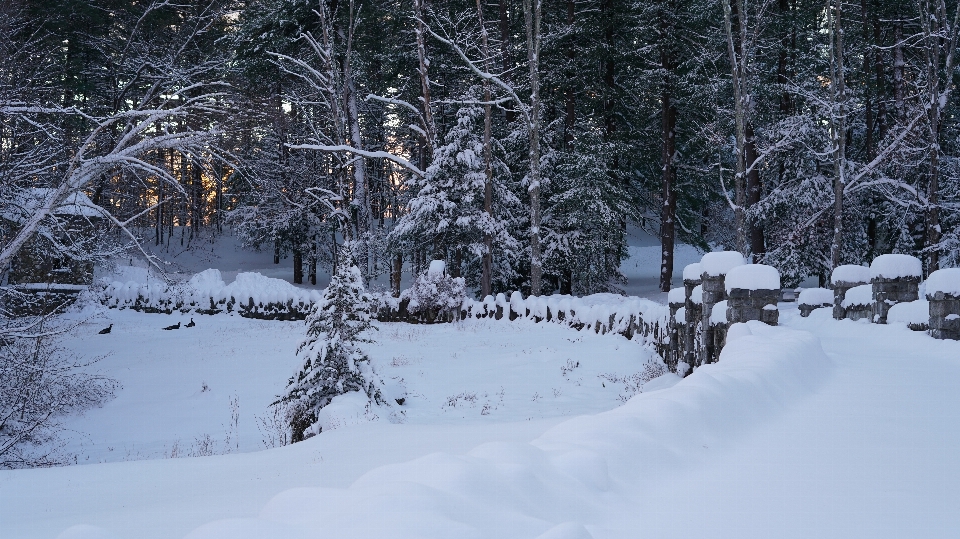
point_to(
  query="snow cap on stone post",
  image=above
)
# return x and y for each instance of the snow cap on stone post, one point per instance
(692, 272)
(895, 266)
(850, 273)
(946, 281)
(720, 262)
(752, 277)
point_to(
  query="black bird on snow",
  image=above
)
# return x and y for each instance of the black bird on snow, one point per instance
(191, 324)
(168, 328)
(106, 330)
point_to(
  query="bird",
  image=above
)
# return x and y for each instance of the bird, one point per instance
(173, 327)
(106, 330)
(191, 324)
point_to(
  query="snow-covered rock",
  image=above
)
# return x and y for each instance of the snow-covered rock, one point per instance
(850, 273)
(738, 330)
(946, 281)
(681, 315)
(752, 277)
(721, 262)
(895, 266)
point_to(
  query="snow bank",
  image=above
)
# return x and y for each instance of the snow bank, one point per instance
(692, 272)
(816, 296)
(945, 280)
(564, 481)
(896, 266)
(850, 274)
(858, 295)
(676, 295)
(752, 277)
(910, 312)
(681, 315)
(719, 313)
(721, 262)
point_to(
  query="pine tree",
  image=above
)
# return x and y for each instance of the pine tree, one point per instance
(334, 364)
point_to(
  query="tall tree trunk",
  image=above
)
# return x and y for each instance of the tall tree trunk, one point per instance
(531, 13)
(297, 266)
(668, 126)
(738, 75)
(754, 192)
(486, 271)
(506, 48)
(838, 127)
(361, 191)
(570, 105)
(669, 210)
(423, 69)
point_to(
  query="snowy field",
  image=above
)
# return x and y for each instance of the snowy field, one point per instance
(817, 428)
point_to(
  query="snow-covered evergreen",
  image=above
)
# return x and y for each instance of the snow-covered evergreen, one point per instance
(334, 363)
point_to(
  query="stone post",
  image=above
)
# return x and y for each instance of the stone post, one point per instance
(715, 267)
(693, 307)
(676, 299)
(943, 293)
(895, 279)
(843, 279)
(753, 291)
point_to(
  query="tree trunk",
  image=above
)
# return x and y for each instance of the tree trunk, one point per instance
(297, 266)
(531, 11)
(754, 192)
(396, 275)
(486, 275)
(668, 125)
(738, 75)
(838, 131)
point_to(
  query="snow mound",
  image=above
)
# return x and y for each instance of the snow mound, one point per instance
(516, 489)
(681, 315)
(896, 266)
(676, 295)
(696, 296)
(910, 312)
(752, 277)
(721, 262)
(944, 280)
(719, 313)
(850, 273)
(816, 296)
(858, 295)
(738, 330)
(353, 408)
(692, 272)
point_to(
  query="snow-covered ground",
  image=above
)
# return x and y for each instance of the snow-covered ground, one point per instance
(818, 428)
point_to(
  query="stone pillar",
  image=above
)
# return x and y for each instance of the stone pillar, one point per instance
(715, 266)
(676, 342)
(843, 279)
(895, 279)
(888, 292)
(693, 313)
(713, 293)
(745, 305)
(943, 293)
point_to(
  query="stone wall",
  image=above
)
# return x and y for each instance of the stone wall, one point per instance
(744, 305)
(713, 293)
(840, 289)
(944, 316)
(692, 331)
(889, 292)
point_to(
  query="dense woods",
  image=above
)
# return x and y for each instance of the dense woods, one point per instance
(517, 140)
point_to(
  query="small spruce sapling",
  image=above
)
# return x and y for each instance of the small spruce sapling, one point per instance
(334, 364)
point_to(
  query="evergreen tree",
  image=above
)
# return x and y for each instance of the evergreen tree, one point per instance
(335, 364)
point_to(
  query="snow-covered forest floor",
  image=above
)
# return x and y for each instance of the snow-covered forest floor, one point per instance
(508, 429)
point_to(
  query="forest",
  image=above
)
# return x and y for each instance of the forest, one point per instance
(517, 140)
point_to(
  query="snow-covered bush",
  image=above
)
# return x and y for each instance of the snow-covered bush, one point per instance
(434, 293)
(334, 363)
